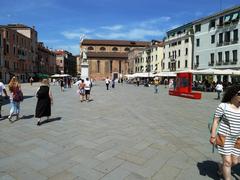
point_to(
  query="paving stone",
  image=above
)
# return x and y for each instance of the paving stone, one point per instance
(125, 133)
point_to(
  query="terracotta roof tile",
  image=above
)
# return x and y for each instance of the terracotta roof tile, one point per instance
(115, 43)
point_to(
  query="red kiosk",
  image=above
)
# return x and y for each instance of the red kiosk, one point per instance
(183, 87)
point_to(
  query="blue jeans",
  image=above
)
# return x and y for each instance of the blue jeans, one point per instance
(156, 89)
(15, 108)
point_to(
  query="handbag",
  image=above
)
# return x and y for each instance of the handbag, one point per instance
(220, 140)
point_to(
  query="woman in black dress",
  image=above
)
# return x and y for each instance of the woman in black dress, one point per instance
(44, 95)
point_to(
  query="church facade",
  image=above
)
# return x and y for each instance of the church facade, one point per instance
(108, 58)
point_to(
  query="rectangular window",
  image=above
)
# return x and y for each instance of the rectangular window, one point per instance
(186, 51)
(179, 42)
(156, 57)
(226, 56)
(220, 38)
(168, 65)
(227, 37)
(186, 40)
(198, 28)
(235, 58)
(186, 63)
(179, 52)
(169, 54)
(235, 35)
(197, 60)
(221, 21)
(120, 67)
(163, 65)
(220, 57)
(178, 64)
(163, 55)
(212, 39)
(212, 24)
(212, 58)
(98, 66)
(198, 42)
(111, 66)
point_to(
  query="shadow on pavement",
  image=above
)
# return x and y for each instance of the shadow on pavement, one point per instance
(27, 117)
(51, 120)
(208, 168)
(7, 100)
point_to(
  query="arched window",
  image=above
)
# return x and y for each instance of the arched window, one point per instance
(90, 48)
(115, 49)
(102, 49)
(127, 49)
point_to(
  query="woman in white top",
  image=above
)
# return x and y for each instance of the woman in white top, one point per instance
(229, 112)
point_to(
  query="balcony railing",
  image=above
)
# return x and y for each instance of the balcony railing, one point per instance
(234, 41)
(226, 62)
(219, 63)
(234, 62)
(210, 63)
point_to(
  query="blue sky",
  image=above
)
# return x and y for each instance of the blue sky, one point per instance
(60, 23)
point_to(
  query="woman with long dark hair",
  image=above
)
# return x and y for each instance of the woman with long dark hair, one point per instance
(229, 113)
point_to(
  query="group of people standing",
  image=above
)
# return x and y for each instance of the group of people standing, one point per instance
(43, 94)
(84, 89)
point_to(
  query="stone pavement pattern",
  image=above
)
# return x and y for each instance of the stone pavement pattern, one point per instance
(127, 133)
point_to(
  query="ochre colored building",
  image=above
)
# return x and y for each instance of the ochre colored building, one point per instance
(108, 58)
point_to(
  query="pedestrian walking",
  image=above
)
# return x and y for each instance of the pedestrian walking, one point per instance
(62, 84)
(107, 82)
(227, 137)
(31, 80)
(2, 90)
(219, 89)
(16, 97)
(156, 85)
(81, 87)
(113, 83)
(138, 81)
(87, 89)
(165, 82)
(44, 101)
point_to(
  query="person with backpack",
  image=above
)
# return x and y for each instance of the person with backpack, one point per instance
(227, 136)
(16, 97)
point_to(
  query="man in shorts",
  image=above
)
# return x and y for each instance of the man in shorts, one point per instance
(87, 88)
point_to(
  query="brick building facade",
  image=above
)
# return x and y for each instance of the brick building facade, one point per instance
(108, 58)
(65, 62)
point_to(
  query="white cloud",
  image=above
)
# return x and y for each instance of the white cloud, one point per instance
(137, 34)
(113, 28)
(73, 48)
(155, 21)
(76, 33)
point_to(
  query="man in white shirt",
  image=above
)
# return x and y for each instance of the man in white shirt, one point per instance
(107, 81)
(219, 89)
(87, 89)
(2, 90)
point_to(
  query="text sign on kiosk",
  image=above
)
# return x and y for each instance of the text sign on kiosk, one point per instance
(184, 87)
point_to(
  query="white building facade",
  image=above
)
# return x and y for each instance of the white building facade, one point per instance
(178, 49)
(216, 42)
(149, 60)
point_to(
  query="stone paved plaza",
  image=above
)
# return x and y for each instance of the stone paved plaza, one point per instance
(126, 133)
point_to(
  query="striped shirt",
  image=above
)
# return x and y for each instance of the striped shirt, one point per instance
(230, 123)
(230, 127)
